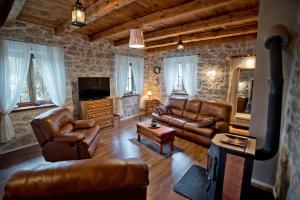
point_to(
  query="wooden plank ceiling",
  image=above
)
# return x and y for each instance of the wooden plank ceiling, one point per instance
(164, 22)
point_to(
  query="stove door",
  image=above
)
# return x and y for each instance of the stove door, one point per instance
(212, 167)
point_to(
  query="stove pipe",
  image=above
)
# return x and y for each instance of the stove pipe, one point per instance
(277, 37)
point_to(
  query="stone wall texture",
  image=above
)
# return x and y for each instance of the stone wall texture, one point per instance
(82, 59)
(210, 58)
(288, 168)
(88, 59)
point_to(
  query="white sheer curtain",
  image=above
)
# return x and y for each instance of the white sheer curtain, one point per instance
(14, 64)
(121, 67)
(138, 73)
(189, 72)
(50, 61)
(138, 76)
(170, 70)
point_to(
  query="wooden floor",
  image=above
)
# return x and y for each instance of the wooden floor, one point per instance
(115, 143)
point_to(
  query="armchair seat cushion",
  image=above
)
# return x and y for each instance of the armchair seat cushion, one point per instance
(178, 122)
(69, 137)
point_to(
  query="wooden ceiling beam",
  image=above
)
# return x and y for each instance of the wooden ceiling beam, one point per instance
(94, 12)
(240, 30)
(217, 41)
(233, 19)
(10, 11)
(162, 15)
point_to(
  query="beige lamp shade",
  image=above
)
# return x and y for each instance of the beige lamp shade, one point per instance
(136, 39)
(149, 93)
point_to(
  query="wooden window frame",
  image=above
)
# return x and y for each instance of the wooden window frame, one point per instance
(130, 92)
(182, 91)
(31, 90)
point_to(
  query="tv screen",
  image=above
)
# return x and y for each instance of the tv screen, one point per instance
(93, 88)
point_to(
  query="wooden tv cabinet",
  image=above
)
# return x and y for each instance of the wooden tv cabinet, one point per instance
(99, 110)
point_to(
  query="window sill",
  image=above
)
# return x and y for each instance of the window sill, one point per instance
(130, 95)
(33, 107)
(180, 93)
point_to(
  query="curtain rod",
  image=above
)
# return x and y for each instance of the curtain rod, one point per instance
(181, 56)
(35, 43)
(243, 56)
(132, 55)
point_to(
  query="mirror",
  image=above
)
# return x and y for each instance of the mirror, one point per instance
(244, 91)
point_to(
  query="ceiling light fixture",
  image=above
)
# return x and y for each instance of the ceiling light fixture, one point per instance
(136, 39)
(180, 45)
(78, 14)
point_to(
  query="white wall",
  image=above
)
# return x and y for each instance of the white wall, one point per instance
(271, 12)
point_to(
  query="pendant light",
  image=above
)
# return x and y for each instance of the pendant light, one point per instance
(136, 39)
(78, 14)
(180, 45)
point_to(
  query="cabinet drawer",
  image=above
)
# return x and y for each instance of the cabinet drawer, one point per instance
(99, 110)
(104, 122)
(99, 105)
(99, 114)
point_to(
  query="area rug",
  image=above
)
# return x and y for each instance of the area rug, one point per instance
(155, 147)
(193, 184)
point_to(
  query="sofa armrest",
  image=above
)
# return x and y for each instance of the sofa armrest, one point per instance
(69, 137)
(67, 179)
(83, 124)
(222, 126)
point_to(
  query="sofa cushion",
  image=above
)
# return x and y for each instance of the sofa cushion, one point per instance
(201, 118)
(164, 118)
(219, 110)
(189, 115)
(177, 103)
(199, 128)
(178, 122)
(193, 106)
(175, 111)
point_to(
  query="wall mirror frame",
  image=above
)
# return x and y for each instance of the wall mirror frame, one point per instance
(241, 90)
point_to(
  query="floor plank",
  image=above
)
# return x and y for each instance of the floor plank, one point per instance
(115, 143)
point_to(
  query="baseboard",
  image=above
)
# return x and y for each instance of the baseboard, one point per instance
(261, 185)
(16, 149)
(133, 116)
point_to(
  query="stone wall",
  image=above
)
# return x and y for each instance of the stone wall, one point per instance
(288, 170)
(82, 59)
(215, 58)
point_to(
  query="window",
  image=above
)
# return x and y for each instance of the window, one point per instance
(179, 87)
(34, 91)
(130, 82)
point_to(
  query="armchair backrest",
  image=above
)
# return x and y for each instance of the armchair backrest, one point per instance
(47, 125)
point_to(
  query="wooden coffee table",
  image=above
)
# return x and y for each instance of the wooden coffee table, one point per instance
(162, 135)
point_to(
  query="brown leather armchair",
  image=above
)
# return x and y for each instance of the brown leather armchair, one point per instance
(81, 179)
(62, 138)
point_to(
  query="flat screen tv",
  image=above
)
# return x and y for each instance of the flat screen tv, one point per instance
(91, 88)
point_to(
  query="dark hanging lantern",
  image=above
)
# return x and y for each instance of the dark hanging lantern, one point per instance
(78, 14)
(180, 45)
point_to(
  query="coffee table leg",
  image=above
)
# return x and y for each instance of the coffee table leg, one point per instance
(172, 146)
(138, 137)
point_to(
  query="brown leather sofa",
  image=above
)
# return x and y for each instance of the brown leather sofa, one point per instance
(62, 138)
(81, 180)
(195, 120)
